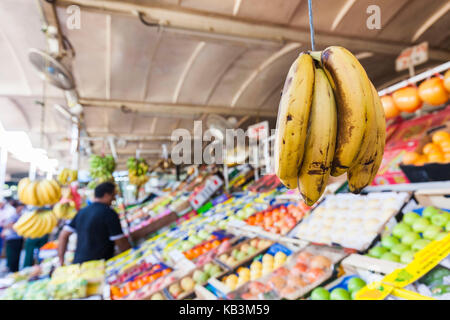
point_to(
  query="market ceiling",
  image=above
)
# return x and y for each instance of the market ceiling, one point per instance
(184, 59)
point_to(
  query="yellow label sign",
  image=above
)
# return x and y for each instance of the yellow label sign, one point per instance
(374, 291)
(424, 260)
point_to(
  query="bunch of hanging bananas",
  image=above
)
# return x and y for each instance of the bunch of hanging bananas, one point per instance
(65, 211)
(101, 169)
(35, 224)
(67, 176)
(330, 121)
(137, 171)
(38, 193)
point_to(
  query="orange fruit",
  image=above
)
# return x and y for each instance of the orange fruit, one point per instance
(410, 157)
(447, 157)
(432, 91)
(421, 160)
(447, 80)
(407, 99)
(445, 146)
(431, 148)
(390, 109)
(436, 157)
(440, 136)
(215, 243)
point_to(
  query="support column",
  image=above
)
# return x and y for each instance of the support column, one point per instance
(3, 163)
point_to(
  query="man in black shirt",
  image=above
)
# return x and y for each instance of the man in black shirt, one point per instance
(97, 227)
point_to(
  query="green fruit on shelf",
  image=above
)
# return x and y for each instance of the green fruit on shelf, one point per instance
(251, 251)
(235, 253)
(431, 232)
(410, 237)
(389, 241)
(407, 257)
(439, 219)
(377, 252)
(420, 224)
(400, 229)
(390, 257)
(353, 295)
(355, 284)
(440, 236)
(429, 211)
(420, 244)
(410, 217)
(447, 226)
(320, 294)
(207, 267)
(200, 276)
(203, 234)
(398, 249)
(214, 271)
(340, 294)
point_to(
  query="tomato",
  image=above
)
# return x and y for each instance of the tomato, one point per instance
(407, 99)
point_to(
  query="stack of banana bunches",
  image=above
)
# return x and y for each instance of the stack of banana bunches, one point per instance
(330, 122)
(37, 223)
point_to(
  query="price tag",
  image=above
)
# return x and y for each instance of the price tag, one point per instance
(412, 56)
(211, 186)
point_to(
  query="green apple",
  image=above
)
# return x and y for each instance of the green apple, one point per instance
(234, 253)
(420, 224)
(410, 217)
(400, 229)
(355, 284)
(251, 250)
(222, 224)
(320, 294)
(340, 294)
(240, 255)
(214, 271)
(377, 252)
(203, 234)
(439, 219)
(207, 267)
(199, 276)
(407, 257)
(431, 232)
(440, 236)
(398, 249)
(353, 295)
(390, 256)
(420, 244)
(410, 237)
(186, 245)
(389, 241)
(429, 211)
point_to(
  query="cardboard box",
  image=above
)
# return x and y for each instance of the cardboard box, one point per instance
(438, 197)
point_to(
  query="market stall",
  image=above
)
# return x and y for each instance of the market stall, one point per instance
(338, 190)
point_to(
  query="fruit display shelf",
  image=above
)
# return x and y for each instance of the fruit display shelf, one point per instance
(338, 219)
(414, 232)
(343, 288)
(302, 272)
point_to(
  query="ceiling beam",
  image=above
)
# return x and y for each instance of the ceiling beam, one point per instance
(174, 109)
(220, 24)
(52, 28)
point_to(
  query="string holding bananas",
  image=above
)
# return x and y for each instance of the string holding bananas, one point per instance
(137, 171)
(330, 121)
(35, 224)
(38, 193)
(67, 176)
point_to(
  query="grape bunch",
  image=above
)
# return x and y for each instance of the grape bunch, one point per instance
(137, 171)
(101, 169)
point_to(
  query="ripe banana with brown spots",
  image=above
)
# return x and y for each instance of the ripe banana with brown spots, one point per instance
(292, 121)
(350, 84)
(320, 141)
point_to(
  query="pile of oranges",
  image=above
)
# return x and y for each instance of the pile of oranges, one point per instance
(130, 286)
(433, 91)
(201, 249)
(437, 151)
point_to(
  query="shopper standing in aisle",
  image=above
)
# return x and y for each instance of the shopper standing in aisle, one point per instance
(14, 242)
(97, 227)
(6, 211)
(32, 247)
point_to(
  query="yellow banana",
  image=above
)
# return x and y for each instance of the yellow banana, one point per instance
(46, 224)
(44, 192)
(21, 186)
(320, 142)
(362, 174)
(36, 228)
(292, 122)
(25, 222)
(30, 196)
(57, 189)
(351, 101)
